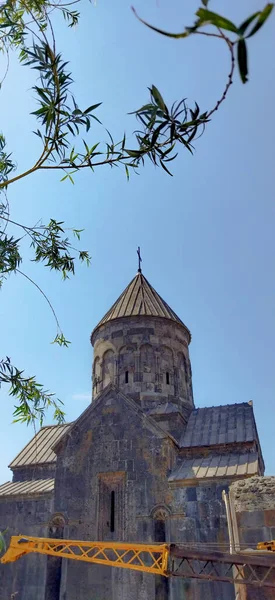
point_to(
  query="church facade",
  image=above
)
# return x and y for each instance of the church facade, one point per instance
(140, 464)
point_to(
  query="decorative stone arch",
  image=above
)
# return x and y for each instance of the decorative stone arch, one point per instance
(161, 512)
(147, 360)
(102, 346)
(108, 367)
(166, 359)
(97, 366)
(57, 521)
(97, 375)
(126, 364)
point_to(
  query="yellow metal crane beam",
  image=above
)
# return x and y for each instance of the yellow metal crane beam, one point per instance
(266, 546)
(150, 558)
(249, 567)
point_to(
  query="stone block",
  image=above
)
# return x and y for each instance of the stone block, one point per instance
(203, 510)
(252, 536)
(206, 493)
(254, 518)
(269, 518)
(191, 494)
(192, 509)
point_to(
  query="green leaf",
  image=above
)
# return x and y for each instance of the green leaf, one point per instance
(61, 340)
(133, 153)
(247, 22)
(165, 168)
(93, 107)
(158, 98)
(184, 34)
(242, 60)
(263, 16)
(65, 177)
(209, 17)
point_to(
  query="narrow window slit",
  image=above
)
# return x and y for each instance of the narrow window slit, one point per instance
(112, 520)
(126, 377)
(168, 378)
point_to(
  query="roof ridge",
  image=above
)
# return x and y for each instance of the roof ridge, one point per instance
(222, 406)
(137, 409)
(54, 425)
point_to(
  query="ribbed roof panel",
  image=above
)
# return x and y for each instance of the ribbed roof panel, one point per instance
(39, 449)
(226, 424)
(222, 465)
(139, 298)
(38, 486)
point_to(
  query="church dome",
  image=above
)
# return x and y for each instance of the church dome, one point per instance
(140, 299)
(141, 347)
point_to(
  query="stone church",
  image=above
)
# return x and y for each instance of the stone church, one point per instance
(140, 464)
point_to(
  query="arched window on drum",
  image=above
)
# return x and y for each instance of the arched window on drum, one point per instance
(167, 367)
(126, 365)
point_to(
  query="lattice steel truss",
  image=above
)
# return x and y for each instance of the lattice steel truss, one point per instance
(254, 568)
(139, 557)
(243, 568)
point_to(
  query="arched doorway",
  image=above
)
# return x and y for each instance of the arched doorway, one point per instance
(54, 563)
(160, 515)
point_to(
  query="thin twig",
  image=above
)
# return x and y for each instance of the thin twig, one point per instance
(230, 76)
(8, 64)
(43, 294)
(30, 230)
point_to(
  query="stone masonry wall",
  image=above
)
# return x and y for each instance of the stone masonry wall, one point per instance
(254, 501)
(199, 516)
(117, 449)
(32, 472)
(24, 578)
(114, 449)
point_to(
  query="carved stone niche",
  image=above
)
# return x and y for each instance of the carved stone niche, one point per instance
(56, 526)
(161, 512)
(161, 523)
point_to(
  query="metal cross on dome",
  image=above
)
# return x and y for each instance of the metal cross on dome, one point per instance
(139, 259)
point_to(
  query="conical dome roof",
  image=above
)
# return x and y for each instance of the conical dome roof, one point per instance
(140, 299)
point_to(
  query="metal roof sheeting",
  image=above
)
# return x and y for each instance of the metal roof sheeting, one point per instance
(220, 425)
(223, 465)
(139, 299)
(40, 486)
(39, 449)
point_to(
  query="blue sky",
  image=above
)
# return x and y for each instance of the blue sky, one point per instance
(207, 234)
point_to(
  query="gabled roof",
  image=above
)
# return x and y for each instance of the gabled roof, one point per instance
(235, 464)
(39, 449)
(220, 425)
(140, 299)
(149, 422)
(38, 486)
